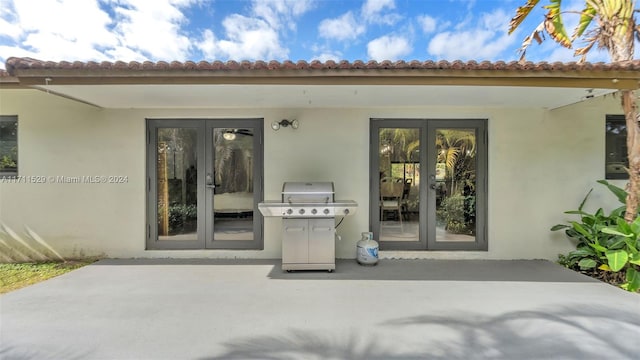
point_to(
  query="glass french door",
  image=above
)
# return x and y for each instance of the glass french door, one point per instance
(428, 184)
(204, 184)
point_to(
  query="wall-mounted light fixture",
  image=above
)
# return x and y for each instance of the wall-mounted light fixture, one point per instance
(284, 123)
(229, 135)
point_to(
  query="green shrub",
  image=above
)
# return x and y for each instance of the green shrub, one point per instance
(180, 215)
(6, 162)
(457, 212)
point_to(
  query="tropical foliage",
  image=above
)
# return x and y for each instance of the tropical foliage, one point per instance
(457, 149)
(400, 144)
(6, 162)
(605, 242)
(609, 25)
(8, 145)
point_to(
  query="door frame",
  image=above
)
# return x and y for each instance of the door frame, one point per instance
(374, 182)
(205, 161)
(427, 206)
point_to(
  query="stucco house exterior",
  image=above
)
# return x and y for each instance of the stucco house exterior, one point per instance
(445, 159)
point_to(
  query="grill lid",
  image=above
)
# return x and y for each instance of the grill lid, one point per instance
(307, 192)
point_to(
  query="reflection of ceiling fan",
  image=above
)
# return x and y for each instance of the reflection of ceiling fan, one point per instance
(230, 134)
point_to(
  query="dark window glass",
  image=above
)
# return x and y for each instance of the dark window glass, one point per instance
(616, 161)
(8, 145)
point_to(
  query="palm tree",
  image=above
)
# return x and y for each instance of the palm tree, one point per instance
(403, 141)
(454, 147)
(611, 25)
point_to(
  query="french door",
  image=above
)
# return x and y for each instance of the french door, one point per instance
(429, 184)
(204, 184)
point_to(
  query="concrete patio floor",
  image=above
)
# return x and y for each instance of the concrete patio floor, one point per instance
(400, 309)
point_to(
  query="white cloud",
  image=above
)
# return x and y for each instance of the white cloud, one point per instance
(248, 38)
(344, 27)
(324, 53)
(208, 44)
(335, 56)
(257, 36)
(487, 41)
(372, 7)
(373, 11)
(82, 30)
(153, 28)
(388, 48)
(55, 29)
(10, 51)
(427, 23)
(281, 13)
(9, 26)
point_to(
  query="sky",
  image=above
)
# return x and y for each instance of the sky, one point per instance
(168, 30)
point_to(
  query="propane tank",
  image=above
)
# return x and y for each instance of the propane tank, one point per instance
(367, 250)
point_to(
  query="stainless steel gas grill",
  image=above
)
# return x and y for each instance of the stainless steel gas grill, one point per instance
(308, 212)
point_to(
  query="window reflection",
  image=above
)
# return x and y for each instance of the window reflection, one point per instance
(399, 159)
(233, 196)
(177, 184)
(455, 184)
(8, 145)
(616, 147)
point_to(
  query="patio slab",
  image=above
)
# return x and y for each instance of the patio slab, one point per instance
(399, 309)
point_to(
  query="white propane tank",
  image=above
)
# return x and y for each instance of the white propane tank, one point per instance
(367, 250)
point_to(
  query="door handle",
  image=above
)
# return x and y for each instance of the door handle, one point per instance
(209, 182)
(432, 180)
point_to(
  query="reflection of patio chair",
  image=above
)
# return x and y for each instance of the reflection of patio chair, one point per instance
(391, 199)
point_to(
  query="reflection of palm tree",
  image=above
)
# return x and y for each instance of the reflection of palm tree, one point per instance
(403, 142)
(223, 154)
(233, 162)
(454, 147)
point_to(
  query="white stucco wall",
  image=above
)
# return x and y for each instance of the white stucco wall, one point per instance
(541, 163)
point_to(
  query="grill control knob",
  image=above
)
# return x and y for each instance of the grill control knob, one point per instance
(346, 211)
(289, 211)
(301, 211)
(314, 211)
(326, 211)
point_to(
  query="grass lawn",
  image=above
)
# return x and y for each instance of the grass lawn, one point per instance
(16, 276)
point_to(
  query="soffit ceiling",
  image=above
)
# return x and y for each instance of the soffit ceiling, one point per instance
(319, 96)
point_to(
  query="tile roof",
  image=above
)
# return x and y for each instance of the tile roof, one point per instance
(13, 64)
(26, 72)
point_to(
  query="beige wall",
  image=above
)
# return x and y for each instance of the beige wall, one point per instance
(541, 163)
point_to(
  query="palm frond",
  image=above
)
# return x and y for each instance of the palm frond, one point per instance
(537, 34)
(586, 17)
(451, 158)
(521, 13)
(582, 52)
(554, 25)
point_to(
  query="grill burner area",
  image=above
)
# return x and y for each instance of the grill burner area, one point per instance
(308, 211)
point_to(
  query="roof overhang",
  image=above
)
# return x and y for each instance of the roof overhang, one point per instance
(329, 84)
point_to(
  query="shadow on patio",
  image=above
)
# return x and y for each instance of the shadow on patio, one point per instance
(563, 332)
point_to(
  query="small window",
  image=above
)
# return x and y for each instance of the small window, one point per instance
(8, 146)
(616, 162)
